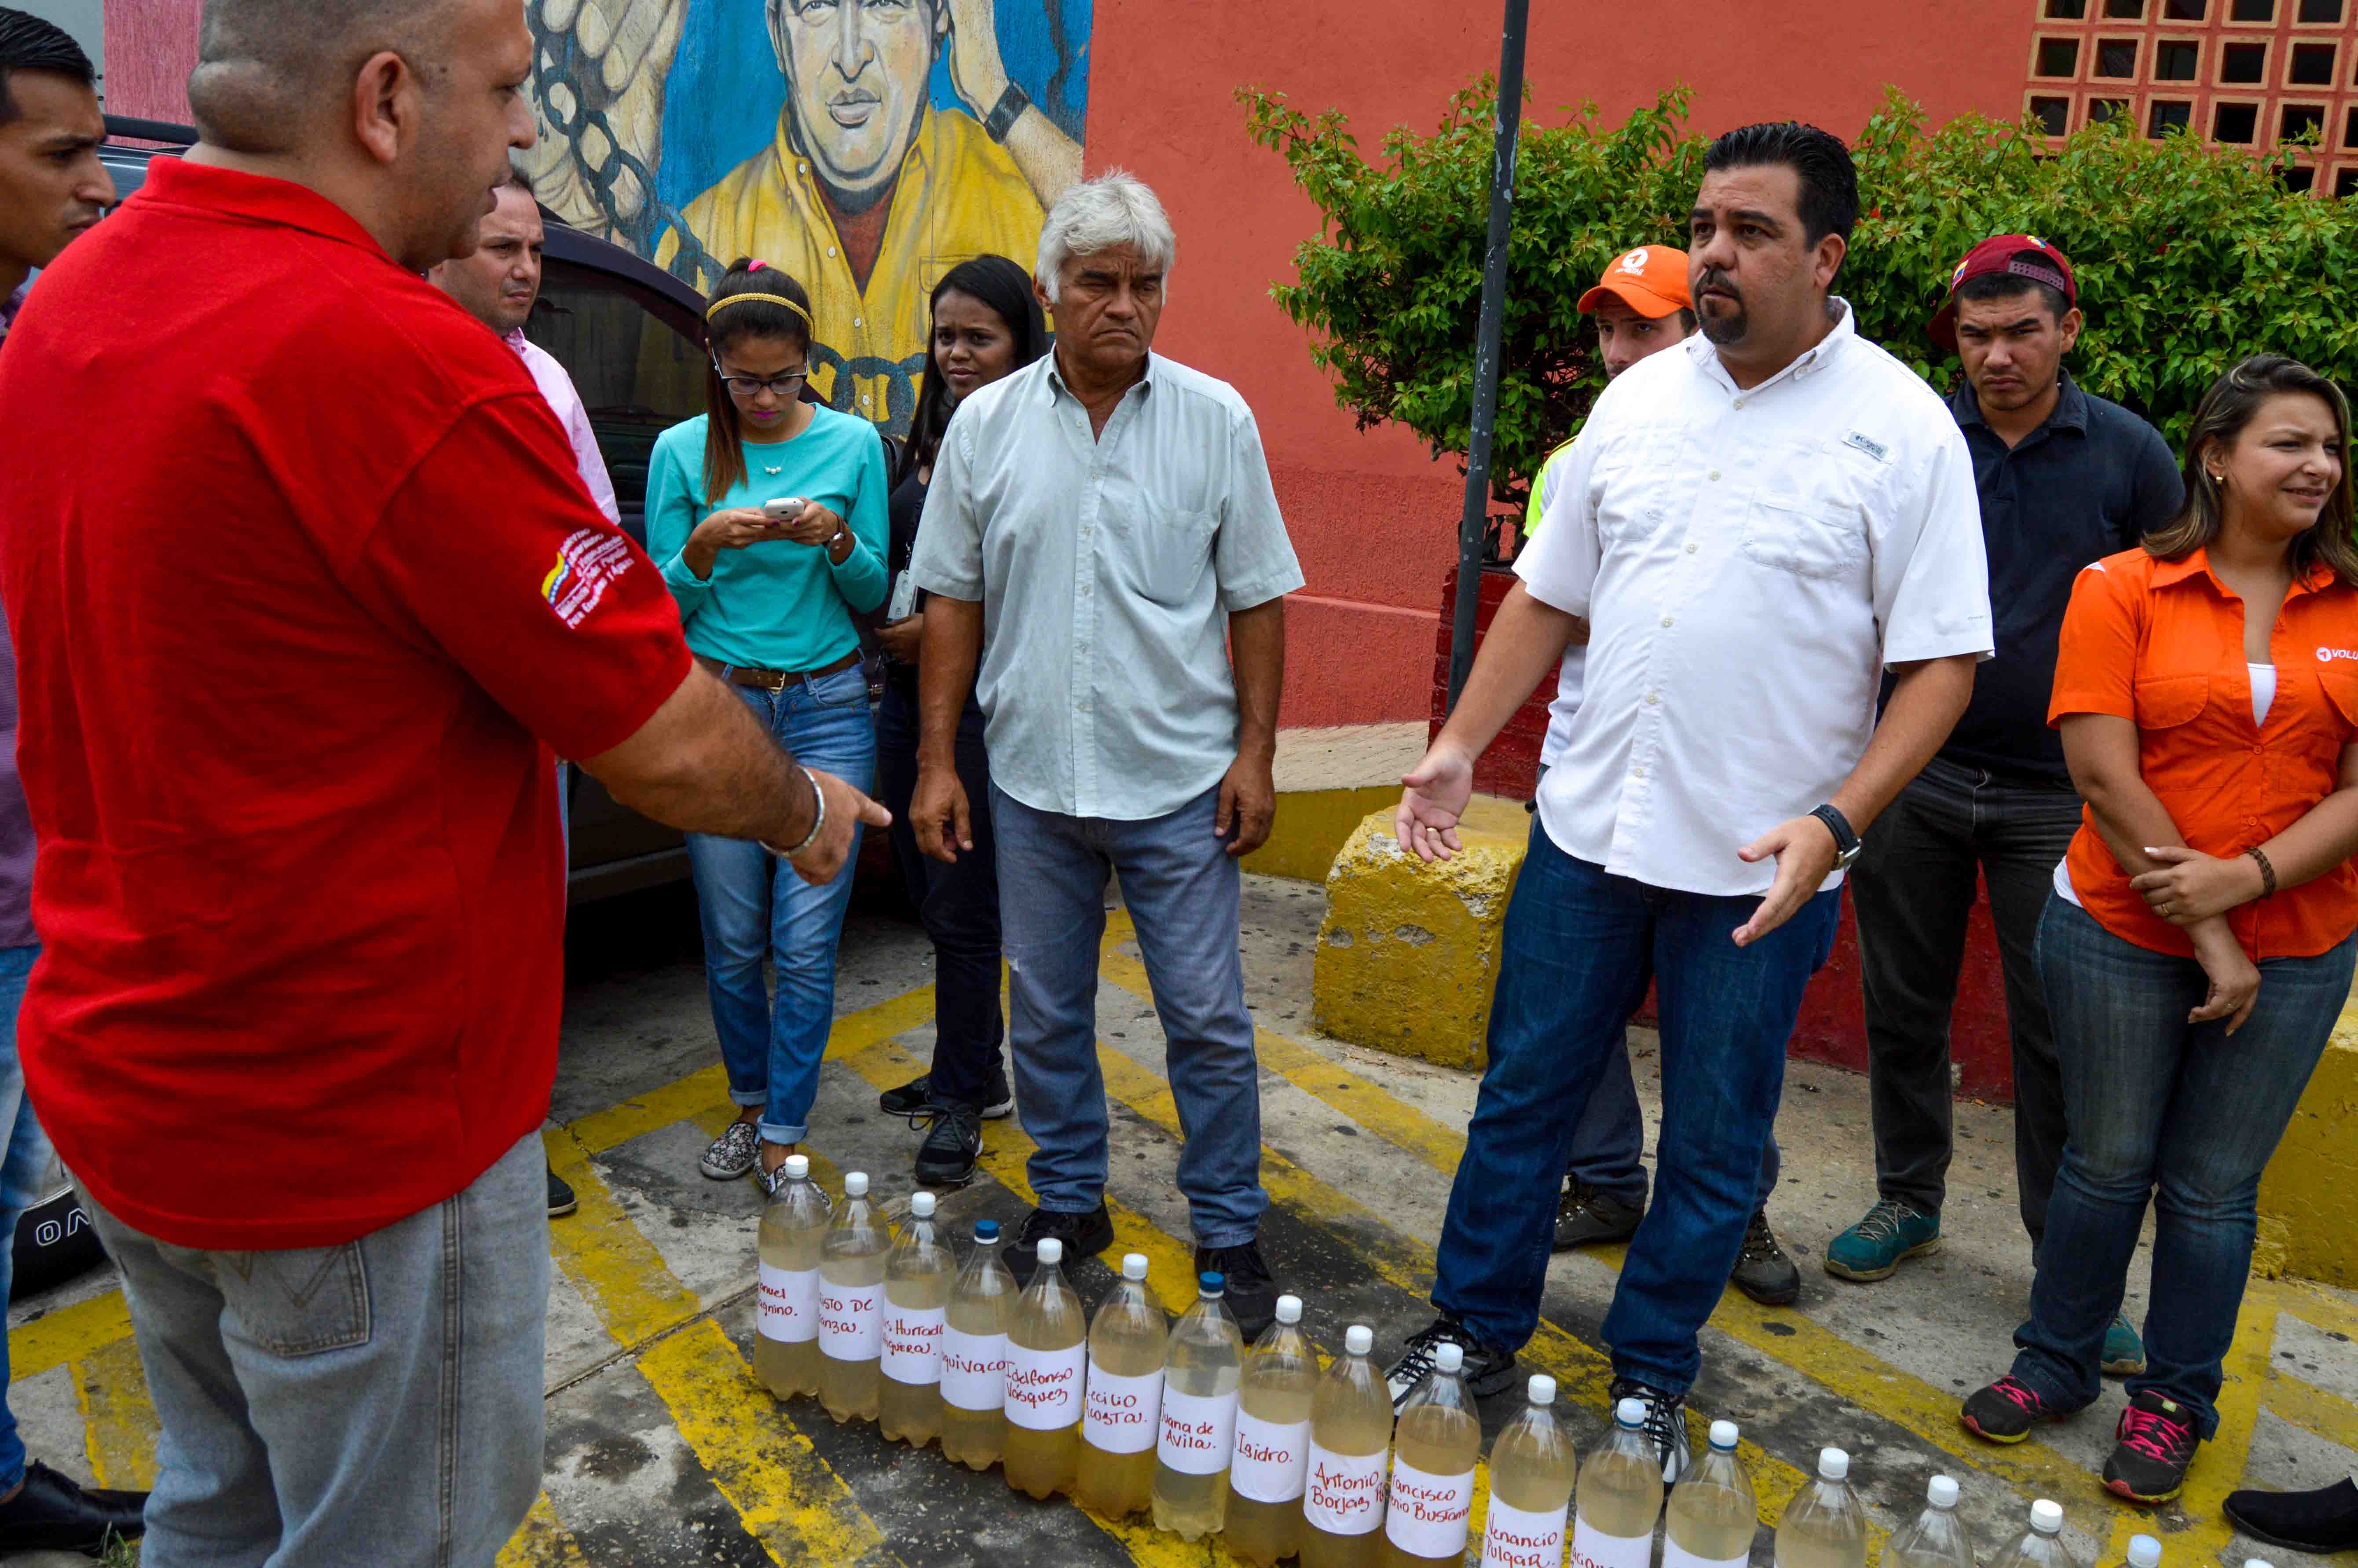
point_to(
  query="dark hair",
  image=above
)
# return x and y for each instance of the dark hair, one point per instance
(28, 43)
(2231, 404)
(1829, 203)
(2008, 286)
(1005, 289)
(724, 441)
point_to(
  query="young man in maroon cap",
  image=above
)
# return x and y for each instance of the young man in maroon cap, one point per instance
(2065, 477)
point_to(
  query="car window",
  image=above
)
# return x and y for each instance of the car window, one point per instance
(637, 375)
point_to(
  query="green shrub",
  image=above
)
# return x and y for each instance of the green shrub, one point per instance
(2188, 258)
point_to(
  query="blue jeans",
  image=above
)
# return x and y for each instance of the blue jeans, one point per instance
(1578, 947)
(1609, 1143)
(1183, 889)
(753, 908)
(2183, 1115)
(21, 1168)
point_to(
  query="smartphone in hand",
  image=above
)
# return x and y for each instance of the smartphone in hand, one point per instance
(783, 509)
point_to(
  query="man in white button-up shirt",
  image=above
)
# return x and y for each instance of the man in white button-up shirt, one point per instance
(1755, 527)
(1101, 532)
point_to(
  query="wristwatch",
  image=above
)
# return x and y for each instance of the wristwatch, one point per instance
(1006, 112)
(1846, 845)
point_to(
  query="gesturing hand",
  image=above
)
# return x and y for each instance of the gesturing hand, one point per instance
(1433, 802)
(846, 809)
(1804, 849)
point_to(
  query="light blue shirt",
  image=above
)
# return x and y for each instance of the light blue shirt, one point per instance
(774, 606)
(1107, 567)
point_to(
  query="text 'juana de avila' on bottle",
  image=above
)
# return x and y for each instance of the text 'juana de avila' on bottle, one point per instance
(1620, 1496)
(1274, 1395)
(1714, 1513)
(1823, 1526)
(1531, 1471)
(918, 1274)
(1115, 1477)
(851, 1306)
(1350, 1441)
(974, 1355)
(785, 1343)
(1199, 1416)
(1048, 1360)
(1435, 1446)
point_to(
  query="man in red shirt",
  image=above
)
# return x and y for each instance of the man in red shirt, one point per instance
(292, 666)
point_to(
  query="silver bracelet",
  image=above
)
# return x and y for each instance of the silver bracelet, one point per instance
(818, 822)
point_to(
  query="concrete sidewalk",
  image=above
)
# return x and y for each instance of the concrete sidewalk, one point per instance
(662, 1450)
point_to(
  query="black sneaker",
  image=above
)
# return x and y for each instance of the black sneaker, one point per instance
(561, 1200)
(1584, 1217)
(2156, 1444)
(1252, 1294)
(947, 1156)
(1762, 1269)
(1084, 1236)
(2006, 1410)
(915, 1097)
(1487, 1368)
(1666, 1424)
(54, 1513)
(2319, 1522)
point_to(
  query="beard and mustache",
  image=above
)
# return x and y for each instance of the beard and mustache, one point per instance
(1727, 328)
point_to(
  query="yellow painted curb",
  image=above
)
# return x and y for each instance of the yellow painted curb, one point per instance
(2309, 1226)
(1312, 827)
(1409, 952)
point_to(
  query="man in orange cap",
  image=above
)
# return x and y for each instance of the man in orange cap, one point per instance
(1642, 306)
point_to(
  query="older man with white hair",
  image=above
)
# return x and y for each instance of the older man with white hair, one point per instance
(1101, 537)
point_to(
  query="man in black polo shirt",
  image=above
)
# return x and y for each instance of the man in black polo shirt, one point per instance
(2065, 478)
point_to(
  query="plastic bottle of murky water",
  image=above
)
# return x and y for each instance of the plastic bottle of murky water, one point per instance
(1531, 1471)
(1200, 1375)
(851, 1305)
(2145, 1552)
(1274, 1395)
(1713, 1511)
(1047, 1361)
(974, 1355)
(1429, 1507)
(1823, 1525)
(1124, 1400)
(1350, 1445)
(1938, 1539)
(785, 1343)
(918, 1274)
(2042, 1545)
(1620, 1496)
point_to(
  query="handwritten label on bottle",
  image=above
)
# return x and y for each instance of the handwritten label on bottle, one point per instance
(913, 1344)
(974, 1370)
(849, 1320)
(1592, 1548)
(789, 1304)
(1044, 1387)
(1272, 1459)
(1343, 1493)
(1426, 1514)
(1677, 1556)
(1119, 1413)
(1199, 1432)
(1518, 1538)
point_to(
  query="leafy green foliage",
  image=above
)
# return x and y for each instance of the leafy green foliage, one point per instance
(2188, 258)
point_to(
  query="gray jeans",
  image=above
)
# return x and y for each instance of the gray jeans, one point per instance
(376, 1404)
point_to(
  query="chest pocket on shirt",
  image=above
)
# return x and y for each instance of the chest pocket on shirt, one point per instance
(2165, 701)
(1159, 554)
(1809, 515)
(1633, 484)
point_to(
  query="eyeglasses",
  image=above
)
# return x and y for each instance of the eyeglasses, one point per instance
(786, 385)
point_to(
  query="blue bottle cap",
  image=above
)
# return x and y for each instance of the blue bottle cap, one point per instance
(985, 1230)
(1212, 1281)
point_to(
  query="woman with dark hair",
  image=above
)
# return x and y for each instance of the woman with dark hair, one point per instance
(2198, 946)
(987, 325)
(767, 516)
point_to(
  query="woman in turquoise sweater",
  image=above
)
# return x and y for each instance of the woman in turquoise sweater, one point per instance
(767, 515)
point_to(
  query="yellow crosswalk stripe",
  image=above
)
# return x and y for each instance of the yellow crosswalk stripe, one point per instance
(118, 1419)
(67, 1334)
(541, 1542)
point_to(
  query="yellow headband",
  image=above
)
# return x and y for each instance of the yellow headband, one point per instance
(717, 306)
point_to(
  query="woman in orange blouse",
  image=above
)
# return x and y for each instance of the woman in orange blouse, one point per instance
(2198, 948)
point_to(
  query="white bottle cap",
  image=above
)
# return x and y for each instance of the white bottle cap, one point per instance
(921, 1205)
(1723, 1435)
(2257, 1563)
(1450, 1357)
(1133, 1266)
(2145, 1552)
(1631, 1412)
(1834, 1464)
(798, 1167)
(2046, 1517)
(1050, 1251)
(1542, 1388)
(855, 1183)
(1942, 1493)
(1289, 1309)
(1358, 1339)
